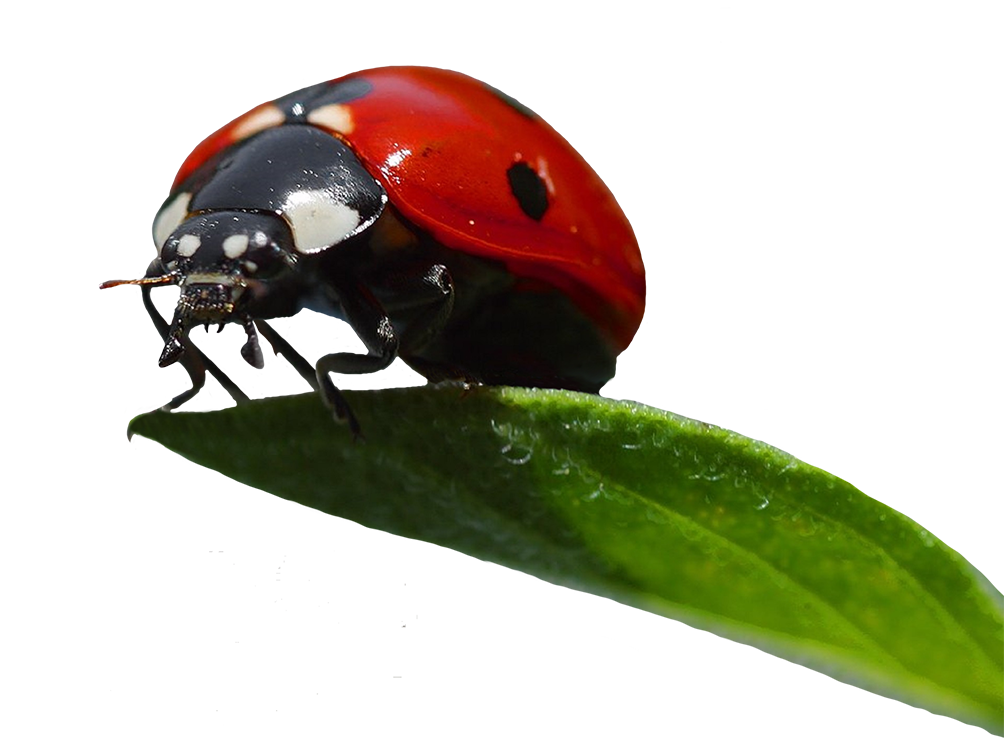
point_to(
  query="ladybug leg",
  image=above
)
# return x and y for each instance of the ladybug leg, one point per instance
(282, 348)
(250, 351)
(428, 310)
(372, 326)
(195, 362)
(438, 284)
(289, 354)
(336, 402)
(367, 317)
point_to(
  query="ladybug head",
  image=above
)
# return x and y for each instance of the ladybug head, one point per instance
(223, 263)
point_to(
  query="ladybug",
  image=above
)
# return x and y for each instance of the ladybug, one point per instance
(447, 223)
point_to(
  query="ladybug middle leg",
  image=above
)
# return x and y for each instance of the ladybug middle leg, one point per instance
(430, 305)
(436, 297)
(363, 311)
(194, 360)
(367, 317)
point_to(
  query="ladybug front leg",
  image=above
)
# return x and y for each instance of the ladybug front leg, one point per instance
(195, 362)
(289, 354)
(282, 348)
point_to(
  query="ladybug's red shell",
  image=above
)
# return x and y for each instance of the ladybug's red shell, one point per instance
(444, 147)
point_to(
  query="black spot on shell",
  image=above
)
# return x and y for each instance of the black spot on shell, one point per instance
(296, 105)
(344, 91)
(513, 103)
(529, 190)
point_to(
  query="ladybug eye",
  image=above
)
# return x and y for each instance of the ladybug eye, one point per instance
(179, 249)
(264, 261)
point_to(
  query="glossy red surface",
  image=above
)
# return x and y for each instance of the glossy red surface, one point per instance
(441, 143)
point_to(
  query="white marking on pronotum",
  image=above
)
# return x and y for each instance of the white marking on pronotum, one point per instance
(337, 118)
(188, 244)
(260, 118)
(169, 217)
(318, 221)
(235, 245)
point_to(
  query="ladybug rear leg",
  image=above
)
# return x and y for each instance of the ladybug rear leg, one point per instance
(193, 359)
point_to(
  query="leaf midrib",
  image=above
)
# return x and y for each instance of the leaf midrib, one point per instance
(765, 565)
(905, 574)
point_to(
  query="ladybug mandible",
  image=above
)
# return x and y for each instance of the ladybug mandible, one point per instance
(448, 224)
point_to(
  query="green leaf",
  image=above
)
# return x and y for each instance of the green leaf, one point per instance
(651, 509)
